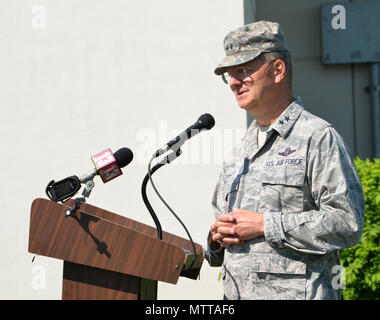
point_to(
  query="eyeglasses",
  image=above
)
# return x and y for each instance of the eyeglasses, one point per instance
(240, 73)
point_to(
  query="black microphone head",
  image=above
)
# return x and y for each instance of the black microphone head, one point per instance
(206, 121)
(123, 157)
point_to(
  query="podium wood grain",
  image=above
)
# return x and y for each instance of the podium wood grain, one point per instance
(106, 256)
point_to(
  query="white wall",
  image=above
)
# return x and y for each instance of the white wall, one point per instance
(99, 74)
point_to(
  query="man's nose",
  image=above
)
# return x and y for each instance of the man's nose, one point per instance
(235, 82)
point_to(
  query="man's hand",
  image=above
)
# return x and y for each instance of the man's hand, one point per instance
(236, 227)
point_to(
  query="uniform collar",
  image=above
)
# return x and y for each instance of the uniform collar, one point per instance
(285, 121)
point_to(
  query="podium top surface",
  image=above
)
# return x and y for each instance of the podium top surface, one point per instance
(102, 239)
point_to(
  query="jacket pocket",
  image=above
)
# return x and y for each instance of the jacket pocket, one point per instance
(278, 277)
(282, 191)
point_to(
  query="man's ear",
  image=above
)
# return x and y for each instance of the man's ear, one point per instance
(279, 71)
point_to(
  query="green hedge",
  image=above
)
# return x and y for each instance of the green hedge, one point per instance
(362, 262)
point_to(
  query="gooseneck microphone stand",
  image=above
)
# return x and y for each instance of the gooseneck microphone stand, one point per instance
(148, 177)
(169, 158)
(147, 203)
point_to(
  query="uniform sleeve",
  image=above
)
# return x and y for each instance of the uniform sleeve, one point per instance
(215, 257)
(335, 188)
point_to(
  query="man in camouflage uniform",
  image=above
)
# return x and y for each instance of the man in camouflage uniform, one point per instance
(288, 198)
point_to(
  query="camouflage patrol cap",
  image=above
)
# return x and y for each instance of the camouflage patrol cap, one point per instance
(247, 43)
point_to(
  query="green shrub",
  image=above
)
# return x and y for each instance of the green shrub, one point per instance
(362, 262)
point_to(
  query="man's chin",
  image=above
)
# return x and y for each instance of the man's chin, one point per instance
(244, 106)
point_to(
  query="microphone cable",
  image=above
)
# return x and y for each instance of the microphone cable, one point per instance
(174, 214)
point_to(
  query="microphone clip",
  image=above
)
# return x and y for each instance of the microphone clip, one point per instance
(170, 157)
(78, 201)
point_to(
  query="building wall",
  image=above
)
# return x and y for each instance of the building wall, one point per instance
(333, 92)
(79, 77)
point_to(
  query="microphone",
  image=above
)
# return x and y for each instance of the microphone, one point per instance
(107, 165)
(205, 122)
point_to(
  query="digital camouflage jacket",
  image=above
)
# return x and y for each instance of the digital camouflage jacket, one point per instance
(304, 181)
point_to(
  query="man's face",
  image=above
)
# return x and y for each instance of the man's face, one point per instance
(252, 83)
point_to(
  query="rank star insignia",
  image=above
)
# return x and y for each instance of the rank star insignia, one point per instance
(286, 119)
(229, 47)
(286, 152)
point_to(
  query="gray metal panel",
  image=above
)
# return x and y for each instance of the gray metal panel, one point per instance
(300, 19)
(375, 97)
(359, 41)
(327, 92)
(363, 110)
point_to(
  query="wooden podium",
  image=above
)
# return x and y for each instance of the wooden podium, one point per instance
(108, 256)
